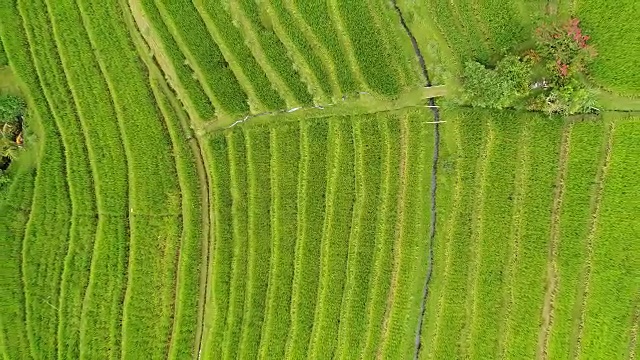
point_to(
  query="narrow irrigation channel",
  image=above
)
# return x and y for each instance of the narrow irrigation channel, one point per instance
(434, 173)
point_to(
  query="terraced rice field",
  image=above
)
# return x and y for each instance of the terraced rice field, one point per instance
(529, 261)
(271, 179)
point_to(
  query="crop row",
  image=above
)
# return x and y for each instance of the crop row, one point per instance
(15, 207)
(317, 16)
(194, 90)
(222, 246)
(202, 53)
(411, 244)
(396, 45)
(232, 44)
(75, 275)
(286, 28)
(340, 199)
(368, 47)
(154, 198)
(503, 24)
(285, 156)
(239, 213)
(93, 104)
(311, 209)
(369, 147)
(275, 53)
(380, 280)
(259, 238)
(493, 237)
(318, 271)
(585, 159)
(612, 292)
(189, 258)
(616, 69)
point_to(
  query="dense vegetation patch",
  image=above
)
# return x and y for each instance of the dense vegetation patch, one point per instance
(548, 77)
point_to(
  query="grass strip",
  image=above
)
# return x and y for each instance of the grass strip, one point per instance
(239, 213)
(369, 146)
(612, 290)
(311, 192)
(275, 53)
(232, 44)
(222, 255)
(380, 280)
(202, 52)
(285, 157)
(340, 199)
(259, 238)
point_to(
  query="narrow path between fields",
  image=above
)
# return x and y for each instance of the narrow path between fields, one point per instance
(434, 173)
(136, 24)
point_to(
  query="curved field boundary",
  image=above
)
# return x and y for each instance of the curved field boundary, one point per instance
(270, 54)
(340, 198)
(43, 287)
(153, 183)
(171, 59)
(239, 214)
(252, 78)
(387, 217)
(368, 169)
(218, 287)
(204, 56)
(365, 48)
(311, 67)
(259, 238)
(75, 275)
(13, 315)
(313, 41)
(16, 210)
(284, 167)
(311, 192)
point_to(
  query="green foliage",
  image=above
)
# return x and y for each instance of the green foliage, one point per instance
(614, 278)
(505, 86)
(366, 41)
(615, 32)
(317, 14)
(340, 198)
(201, 51)
(276, 53)
(10, 108)
(298, 41)
(311, 210)
(3, 56)
(225, 32)
(194, 90)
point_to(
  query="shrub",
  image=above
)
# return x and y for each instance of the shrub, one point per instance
(10, 108)
(502, 87)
